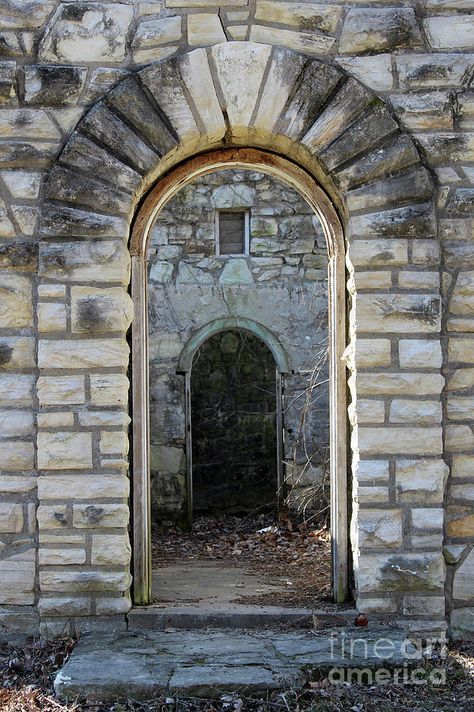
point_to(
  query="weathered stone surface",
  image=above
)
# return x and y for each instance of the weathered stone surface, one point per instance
(83, 353)
(68, 186)
(412, 279)
(17, 581)
(82, 153)
(380, 29)
(403, 441)
(11, 518)
(460, 522)
(461, 350)
(415, 184)
(349, 102)
(398, 313)
(462, 622)
(430, 110)
(16, 456)
(379, 528)
(16, 352)
(16, 310)
(415, 384)
(401, 572)
(88, 486)
(94, 516)
(63, 451)
(84, 580)
(113, 443)
(460, 408)
(421, 480)
(464, 574)
(449, 32)
(57, 419)
(56, 390)
(196, 75)
(60, 221)
(134, 106)
(236, 272)
(371, 471)
(110, 389)
(110, 550)
(459, 437)
(16, 389)
(51, 317)
(316, 85)
(445, 147)
(205, 29)
(306, 17)
(27, 123)
(92, 31)
(415, 411)
(98, 310)
(427, 518)
(300, 41)
(100, 123)
(61, 557)
(16, 14)
(15, 423)
(372, 352)
(461, 379)
(285, 69)
(93, 261)
(47, 85)
(461, 201)
(64, 606)
(411, 221)
(154, 33)
(374, 71)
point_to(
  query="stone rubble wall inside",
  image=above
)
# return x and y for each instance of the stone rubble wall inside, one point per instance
(59, 58)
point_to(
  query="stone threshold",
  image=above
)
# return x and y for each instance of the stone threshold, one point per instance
(210, 663)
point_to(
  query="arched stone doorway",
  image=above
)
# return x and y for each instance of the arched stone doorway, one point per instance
(332, 131)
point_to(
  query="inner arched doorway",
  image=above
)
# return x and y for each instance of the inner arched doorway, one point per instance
(298, 179)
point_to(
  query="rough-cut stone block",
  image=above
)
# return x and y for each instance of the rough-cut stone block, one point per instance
(409, 221)
(154, 33)
(58, 390)
(196, 75)
(95, 516)
(16, 311)
(113, 443)
(463, 577)
(415, 411)
(461, 350)
(57, 419)
(80, 152)
(61, 557)
(51, 317)
(110, 550)
(372, 352)
(462, 466)
(371, 471)
(430, 110)
(367, 411)
(84, 579)
(403, 441)
(98, 310)
(16, 456)
(300, 41)
(432, 518)
(63, 451)
(397, 313)
(446, 147)
(414, 384)
(240, 69)
(22, 184)
(17, 581)
(205, 29)
(109, 389)
(350, 101)
(379, 528)
(19, 256)
(423, 606)
(401, 572)
(449, 32)
(11, 518)
(83, 353)
(16, 389)
(460, 408)
(68, 186)
(414, 184)
(27, 123)
(462, 623)
(420, 71)
(421, 480)
(306, 17)
(78, 31)
(86, 486)
(459, 437)
(61, 221)
(462, 379)
(317, 83)
(47, 85)
(91, 261)
(118, 138)
(418, 280)
(374, 71)
(53, 517)
(64, 605)
(17, 352)
(113, 606)
(379, 29)
(285, 69)
(15, 423)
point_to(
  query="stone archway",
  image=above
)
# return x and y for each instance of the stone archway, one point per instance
(329, 126)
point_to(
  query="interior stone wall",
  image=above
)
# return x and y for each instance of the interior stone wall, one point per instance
(66, 559)
(281, 284)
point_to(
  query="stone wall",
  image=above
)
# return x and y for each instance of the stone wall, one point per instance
(282, 285)
(59, 58)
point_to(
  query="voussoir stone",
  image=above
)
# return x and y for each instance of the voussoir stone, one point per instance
(61, 221)
(70, 187)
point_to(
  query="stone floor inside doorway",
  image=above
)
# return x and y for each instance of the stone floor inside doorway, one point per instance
(230, 562)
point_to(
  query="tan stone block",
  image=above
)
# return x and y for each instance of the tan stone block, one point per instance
(61, 390)
(460, 522)
(11, 518)
(367, 411)
(51, 317)
(113, 443)
(372, 280)
(402, 313)
(52, 517)
(60, 557)
(402, 441)
(460, 408)
(299, 41)
(304, 16)
(113, 606)
(371, 495)
(419, 353)
(284, 72)
(55, 420)
(96, 516)
(51, 291)
(83, 353)
(414, 384)
(378, 253)
(237, 32)
(64, 606)
(14, 484)
(418, 280)
(104, 418)
(16, 455)
(97, 486)
(459, 437)
(415, 411)
(205, 29)
(427, 519)
(100, 309)
(379, 528)
(17, 581)
(368, 471)
(15, 423)
(17, 352)
(16, 309)
(16, 389)
(61, 538)
(369, 352)
(462, 466)
(421, 480)
(64, 451)
(461, 350)
(111, 550)
(396, 571)
(196, 74)
(109, 389)
(84, 580)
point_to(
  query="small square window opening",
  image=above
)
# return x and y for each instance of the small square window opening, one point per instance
(232, 232)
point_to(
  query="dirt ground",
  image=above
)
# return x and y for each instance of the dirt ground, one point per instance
(27, 674)
(259, 545)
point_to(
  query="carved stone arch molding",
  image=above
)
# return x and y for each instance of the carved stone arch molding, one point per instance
(326, 134)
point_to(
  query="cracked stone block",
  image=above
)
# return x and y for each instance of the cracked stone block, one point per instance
(154, 33)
